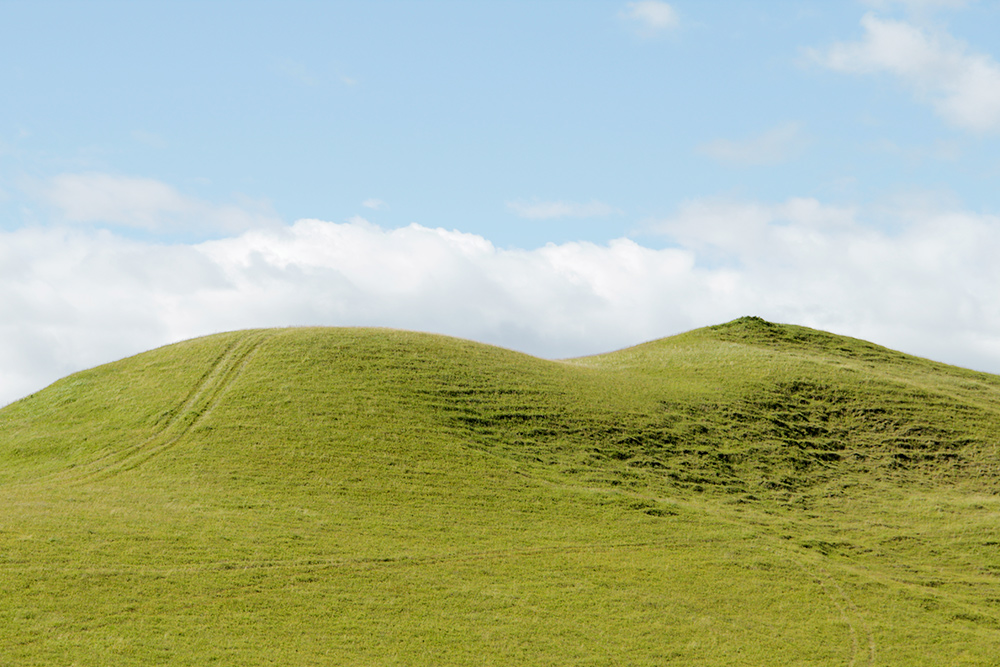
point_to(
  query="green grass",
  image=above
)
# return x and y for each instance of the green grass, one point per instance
(747, 494)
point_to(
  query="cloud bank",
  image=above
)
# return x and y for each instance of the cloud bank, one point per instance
(73, 297)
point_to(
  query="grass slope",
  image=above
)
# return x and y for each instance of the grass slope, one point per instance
(747, 494)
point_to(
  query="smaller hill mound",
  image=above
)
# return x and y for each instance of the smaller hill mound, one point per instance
(759, 332)
(785, 407)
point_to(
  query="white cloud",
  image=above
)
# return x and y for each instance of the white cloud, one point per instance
(548, 210)
(745, 230)
(921, 288)
(652, 16)
(777, 145)
(963, 87)
(940, 150)
(375, 204)
(143, 203)
(918, 6)
(74, 297)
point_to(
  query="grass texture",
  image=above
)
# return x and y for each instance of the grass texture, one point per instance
(746, 494)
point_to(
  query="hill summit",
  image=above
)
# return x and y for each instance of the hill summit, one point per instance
(748, 493)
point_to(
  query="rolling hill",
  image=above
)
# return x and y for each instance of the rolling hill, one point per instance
(745, 494)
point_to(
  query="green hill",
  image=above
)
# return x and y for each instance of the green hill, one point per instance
(746, 494)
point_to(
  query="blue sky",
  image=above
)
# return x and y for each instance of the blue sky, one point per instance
(557, 177)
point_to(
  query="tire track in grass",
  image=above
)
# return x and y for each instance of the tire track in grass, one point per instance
(845, 605)
(857, 612)
(194, 408)
(81, 470)
(192, 412)
(853, 610)
(332, 562)
(318, 562)
(849, 611)
(827, 582)
(858, 629)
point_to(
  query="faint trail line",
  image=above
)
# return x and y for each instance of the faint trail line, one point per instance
(193, 411)
(321, 563)
(918, 590)
(845, 605)
(82, 469)
(194, 407)
(854, 610)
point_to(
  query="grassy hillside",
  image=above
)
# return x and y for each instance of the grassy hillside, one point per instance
(746, 494)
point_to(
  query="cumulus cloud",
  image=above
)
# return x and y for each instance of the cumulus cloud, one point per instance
(921, 288)
(73, 297)
(651, 16)
(777, 145)
(549, 210)
(142, 203)
(962, 86)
